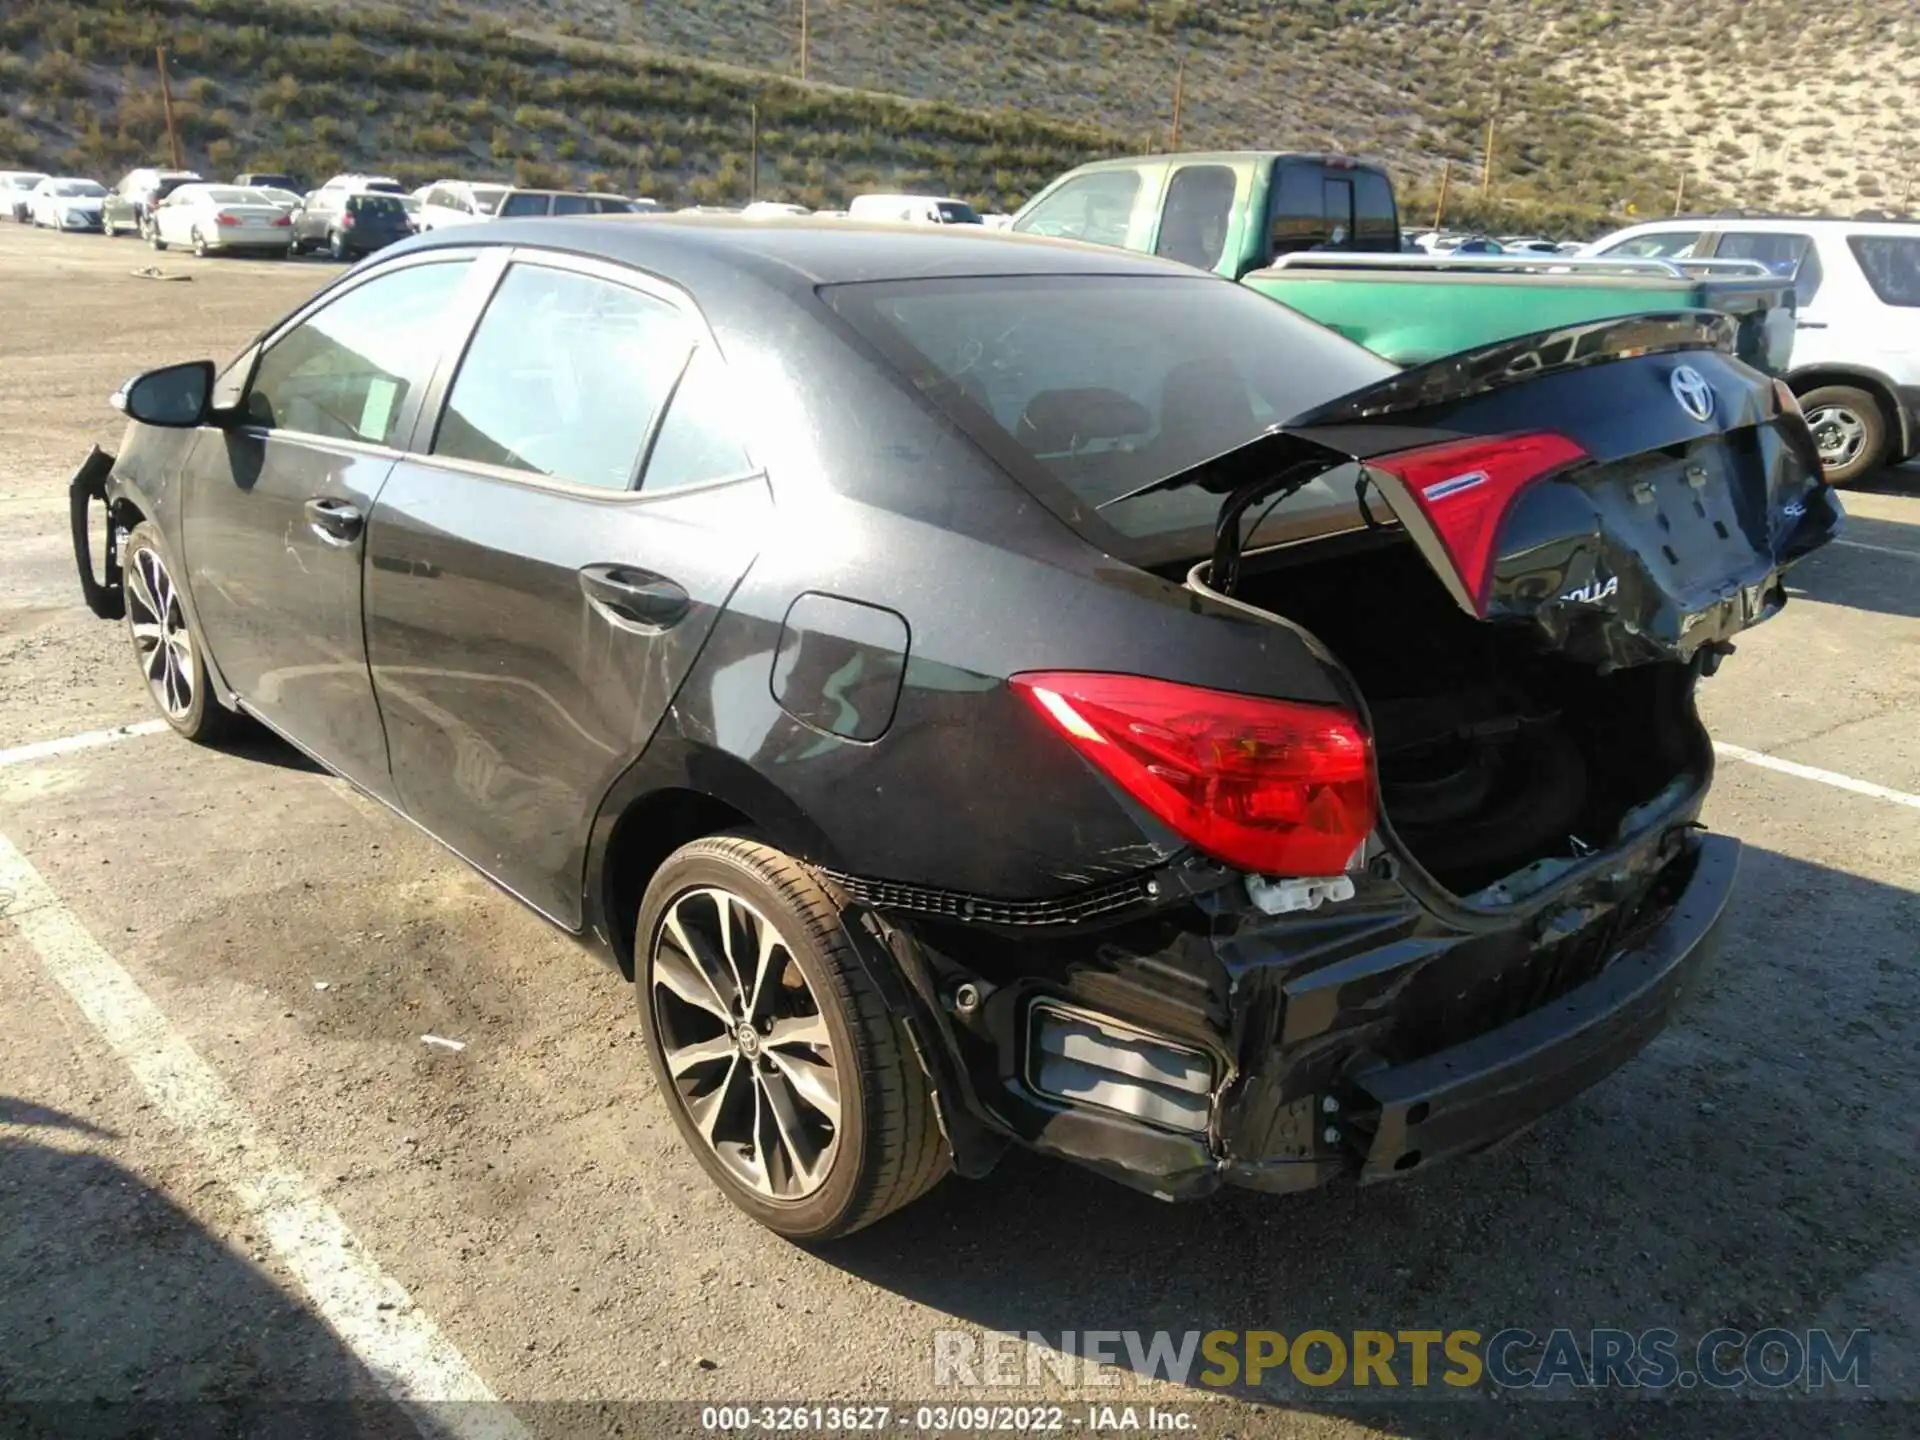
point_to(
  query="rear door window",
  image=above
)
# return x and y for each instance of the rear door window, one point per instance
(699, 438)
(1296, 209)
(1094, 208)
(1376, 221)
(564, 377)
(575, 205)
(1788, 255)
(1193, 224)
(524, 204)
(1891, 264)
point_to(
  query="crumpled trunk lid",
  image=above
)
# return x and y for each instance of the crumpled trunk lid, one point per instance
(1626, 487)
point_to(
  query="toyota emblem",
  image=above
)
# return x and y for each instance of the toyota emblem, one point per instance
(1690, 388)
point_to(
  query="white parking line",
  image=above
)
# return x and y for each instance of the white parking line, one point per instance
(373, 1315)
(41, 749)
(1879, 549)
(1812, 772)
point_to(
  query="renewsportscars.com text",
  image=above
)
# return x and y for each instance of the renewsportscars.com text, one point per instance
(1460, 1359)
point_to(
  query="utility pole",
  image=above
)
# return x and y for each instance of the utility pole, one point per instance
(1440, 206)
(1486, 168)
(1680, 193)
(753, 151)
(1906, 193)
(166, 102)
(803, 39)
(1179, 95)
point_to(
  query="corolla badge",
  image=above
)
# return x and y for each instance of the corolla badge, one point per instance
(1594, 591)
(1690, 388)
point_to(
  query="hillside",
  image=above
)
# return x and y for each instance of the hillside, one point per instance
(654, 97)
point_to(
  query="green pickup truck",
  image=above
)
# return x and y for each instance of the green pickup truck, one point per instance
(1321, 233)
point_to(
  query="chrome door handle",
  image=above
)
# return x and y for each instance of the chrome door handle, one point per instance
(334, 521)
(634, 598)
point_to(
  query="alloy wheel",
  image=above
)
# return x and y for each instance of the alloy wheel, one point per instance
(160, 634)
(1840, 434)
(745, 1044)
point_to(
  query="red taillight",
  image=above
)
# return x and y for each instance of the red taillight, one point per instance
(346, 221)
(1465, 488)
(283, 220)
(1267, 785)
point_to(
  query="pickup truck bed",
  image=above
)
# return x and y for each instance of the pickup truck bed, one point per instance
(1411, 309)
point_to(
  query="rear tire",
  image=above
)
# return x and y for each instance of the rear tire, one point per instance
(153, 238)
(170, 653)
(1850, 429)
(881, 1148)
(337, 245)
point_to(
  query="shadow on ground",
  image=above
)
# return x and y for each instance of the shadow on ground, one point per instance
(1751, 1168)
(121, 1316)
(1865, 579)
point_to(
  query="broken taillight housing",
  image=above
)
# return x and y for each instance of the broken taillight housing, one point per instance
(1464, 489)
(1273, 786)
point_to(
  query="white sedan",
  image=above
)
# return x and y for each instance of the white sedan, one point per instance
(66, 203)
(222, 218)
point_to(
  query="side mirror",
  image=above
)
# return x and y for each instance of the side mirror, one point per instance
(174, 396)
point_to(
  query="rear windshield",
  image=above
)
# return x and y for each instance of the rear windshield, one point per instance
(524, 204)
(387, 205)
(1892, 266)
(1093, 386)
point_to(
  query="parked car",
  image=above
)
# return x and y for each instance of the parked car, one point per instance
(1256, 863)
(1226, 211)
(520, 203)
(222, 219)
(774, 210)
(459, 202)
(16, 191)
(1856, 352)
(267, 180)
(129, 204)
(350, 223)
(67, 203)
(1528, 245)
(354, 182)
(913, 209)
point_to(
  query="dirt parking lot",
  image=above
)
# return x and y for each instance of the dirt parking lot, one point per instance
(178, 1151)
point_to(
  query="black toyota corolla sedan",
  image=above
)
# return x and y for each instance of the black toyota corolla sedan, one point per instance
(989, 690)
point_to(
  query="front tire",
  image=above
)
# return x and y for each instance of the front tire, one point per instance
(788, 1076)
(171, 656)
(1850, 428)
(153, 238)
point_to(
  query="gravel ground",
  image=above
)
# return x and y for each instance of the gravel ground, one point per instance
(1754, 1167)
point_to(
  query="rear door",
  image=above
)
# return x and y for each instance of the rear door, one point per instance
(274, 510)
(543, 572)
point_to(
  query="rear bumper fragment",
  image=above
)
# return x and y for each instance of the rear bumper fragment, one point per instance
(1470, 1095)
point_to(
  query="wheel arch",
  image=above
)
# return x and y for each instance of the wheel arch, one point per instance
(1900, 424)
(678, 790)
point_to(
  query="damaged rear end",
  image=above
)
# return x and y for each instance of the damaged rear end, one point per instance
(1450, 874)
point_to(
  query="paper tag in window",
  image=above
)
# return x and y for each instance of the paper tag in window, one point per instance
(378, 409)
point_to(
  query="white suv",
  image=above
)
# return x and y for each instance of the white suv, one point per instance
(1856, 345)
(458, 202)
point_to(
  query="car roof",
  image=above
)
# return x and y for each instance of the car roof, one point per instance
(1733, 224)
(702, 251)
(1225, 157)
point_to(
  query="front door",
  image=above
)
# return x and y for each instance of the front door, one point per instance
(541, 582)
(275, 509)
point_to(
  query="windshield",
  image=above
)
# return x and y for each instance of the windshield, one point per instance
(1098, 385)
(79, 187)
(24, 182)
(957, 212)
